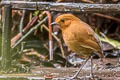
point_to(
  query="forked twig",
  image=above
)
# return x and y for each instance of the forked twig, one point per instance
(57, 39)
(29, 32)
(14, 39)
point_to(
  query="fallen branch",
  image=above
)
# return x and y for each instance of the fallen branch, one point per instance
(63, 7)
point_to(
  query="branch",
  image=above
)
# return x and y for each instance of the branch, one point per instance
(63, 7)
(50, 34)
(29, 32)
(108, 17)
(31, 23)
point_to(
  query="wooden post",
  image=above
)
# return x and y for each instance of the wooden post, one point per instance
(6, 37)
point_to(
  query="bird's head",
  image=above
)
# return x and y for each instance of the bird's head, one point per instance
(65, 20)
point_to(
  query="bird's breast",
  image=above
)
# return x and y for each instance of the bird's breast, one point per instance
(75, 45)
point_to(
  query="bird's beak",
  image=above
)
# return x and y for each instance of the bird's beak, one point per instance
(56, 27)
(54, 23)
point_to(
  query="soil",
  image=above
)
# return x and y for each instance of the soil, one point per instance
(110, 70)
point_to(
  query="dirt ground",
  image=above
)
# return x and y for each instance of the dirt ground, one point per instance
(110, 71)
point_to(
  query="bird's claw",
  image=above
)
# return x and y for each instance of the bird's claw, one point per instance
(71, 78)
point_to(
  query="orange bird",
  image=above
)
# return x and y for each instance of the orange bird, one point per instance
(79, 37)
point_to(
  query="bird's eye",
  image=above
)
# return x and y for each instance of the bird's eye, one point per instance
(62, 20)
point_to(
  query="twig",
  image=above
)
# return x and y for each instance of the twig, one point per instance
(50, 35)
(57, 39)
(22, 22)
(31, 52)
(29, 32)
(14, 39)
(22, 25)
(106, 16)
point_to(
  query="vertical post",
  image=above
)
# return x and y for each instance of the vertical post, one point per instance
(6, 37)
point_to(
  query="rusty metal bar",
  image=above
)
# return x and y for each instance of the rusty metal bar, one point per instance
(6, 37)
(63, 7)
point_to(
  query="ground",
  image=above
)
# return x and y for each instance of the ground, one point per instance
(110, 72)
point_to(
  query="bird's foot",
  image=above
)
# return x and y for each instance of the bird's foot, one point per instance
(91, 77)
(81, 78)
(71, 78)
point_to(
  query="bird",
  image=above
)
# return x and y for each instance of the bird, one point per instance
(79, 37)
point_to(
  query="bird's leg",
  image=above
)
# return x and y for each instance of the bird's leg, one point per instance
(91, 71)
(102, 63)
(76, 74)
(119, 59)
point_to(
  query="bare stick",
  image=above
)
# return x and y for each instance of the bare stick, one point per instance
(108, 17)
(29, 32)
(22, 22)
(14, 39)
(50, 35)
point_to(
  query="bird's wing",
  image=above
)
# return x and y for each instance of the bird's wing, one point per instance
(84, 34)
